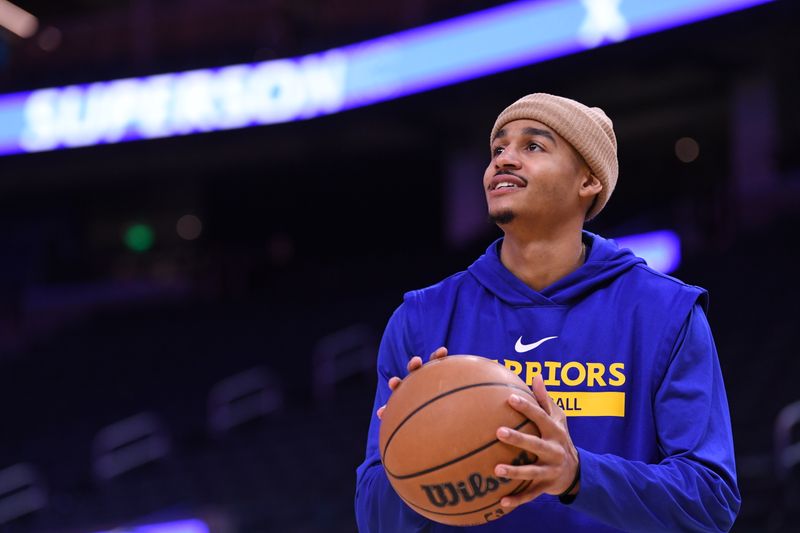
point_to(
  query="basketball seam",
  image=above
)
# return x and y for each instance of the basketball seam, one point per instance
(457, 459)
(436, 398)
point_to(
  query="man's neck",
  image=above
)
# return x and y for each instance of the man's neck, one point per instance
(541, 261)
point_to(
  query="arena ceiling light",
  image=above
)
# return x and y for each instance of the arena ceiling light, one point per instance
(661, 249)
(482, 43)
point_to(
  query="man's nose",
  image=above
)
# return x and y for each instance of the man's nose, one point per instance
(507, 159)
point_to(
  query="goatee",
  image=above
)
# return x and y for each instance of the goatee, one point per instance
(503, 217)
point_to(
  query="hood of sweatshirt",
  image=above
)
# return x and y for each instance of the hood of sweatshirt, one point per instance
(605, 261)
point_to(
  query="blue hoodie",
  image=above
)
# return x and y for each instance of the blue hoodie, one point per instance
(633, 364)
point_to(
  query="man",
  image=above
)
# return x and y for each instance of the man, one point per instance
(623, 351)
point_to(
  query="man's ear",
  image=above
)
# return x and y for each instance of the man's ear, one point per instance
(590, 185)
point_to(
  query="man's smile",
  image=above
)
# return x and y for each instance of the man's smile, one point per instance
(506, 182)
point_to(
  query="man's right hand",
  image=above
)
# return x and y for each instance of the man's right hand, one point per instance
(414, 364)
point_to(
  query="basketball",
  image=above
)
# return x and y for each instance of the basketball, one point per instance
(438, 439)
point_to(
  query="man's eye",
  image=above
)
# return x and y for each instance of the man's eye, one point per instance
(497, 151)
(533, 147)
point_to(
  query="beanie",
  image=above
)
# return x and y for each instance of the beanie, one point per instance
(587, 129)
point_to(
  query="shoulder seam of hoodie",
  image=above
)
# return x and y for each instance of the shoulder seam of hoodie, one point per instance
(439, 283)
(677, 281)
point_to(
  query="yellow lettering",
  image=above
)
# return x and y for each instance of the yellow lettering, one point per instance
(571, 374)
(565, 374)
(532, 368)
(596, 371)
(514, 366)
(590, 403)
(552, 372)
(616, 371)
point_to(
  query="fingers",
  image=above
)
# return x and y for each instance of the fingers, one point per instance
(541, 478)
(528, 495)
(540, 393)
(380, 411)
(532, 472)
(546, 451)
(414, 363)
(439, 353)
(547, 426)
(394, 382)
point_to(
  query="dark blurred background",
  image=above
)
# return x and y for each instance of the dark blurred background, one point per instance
(188, 326)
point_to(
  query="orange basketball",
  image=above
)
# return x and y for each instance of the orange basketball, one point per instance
(438, 439)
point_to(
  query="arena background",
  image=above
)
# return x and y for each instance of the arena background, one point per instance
(217, 374)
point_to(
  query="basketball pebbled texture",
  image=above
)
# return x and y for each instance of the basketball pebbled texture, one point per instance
(438, 439)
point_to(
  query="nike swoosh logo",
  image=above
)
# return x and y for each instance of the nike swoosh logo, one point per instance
(520, 347)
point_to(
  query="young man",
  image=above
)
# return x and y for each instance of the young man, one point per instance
(621, 350)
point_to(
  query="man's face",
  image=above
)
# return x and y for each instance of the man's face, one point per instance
(534, 174)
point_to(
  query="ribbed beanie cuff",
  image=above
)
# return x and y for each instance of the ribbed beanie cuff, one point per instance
(587, 129)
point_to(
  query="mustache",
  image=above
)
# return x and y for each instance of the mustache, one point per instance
(509, 173)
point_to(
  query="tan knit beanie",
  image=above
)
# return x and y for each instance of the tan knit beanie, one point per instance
(587, 129)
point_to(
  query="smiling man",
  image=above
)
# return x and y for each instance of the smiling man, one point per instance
(621, 351)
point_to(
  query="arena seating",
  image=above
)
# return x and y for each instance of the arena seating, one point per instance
(298, 441)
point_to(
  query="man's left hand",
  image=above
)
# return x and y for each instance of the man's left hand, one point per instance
(557, 463)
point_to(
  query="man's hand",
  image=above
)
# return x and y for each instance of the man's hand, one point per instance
(414, 364)
(557, 463)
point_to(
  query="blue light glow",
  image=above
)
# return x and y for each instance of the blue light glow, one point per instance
(182, 526)
(509, 36)
(661, 249)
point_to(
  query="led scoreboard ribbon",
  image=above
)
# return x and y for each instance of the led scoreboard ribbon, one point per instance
(237, 96)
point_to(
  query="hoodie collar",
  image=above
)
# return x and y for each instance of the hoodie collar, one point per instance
(605, 261)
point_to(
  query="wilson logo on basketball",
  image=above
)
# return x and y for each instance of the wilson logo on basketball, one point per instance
(476, 486)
